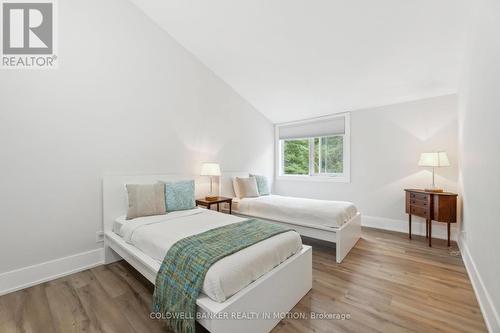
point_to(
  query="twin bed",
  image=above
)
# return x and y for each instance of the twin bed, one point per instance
(337, 222)
(237, 286)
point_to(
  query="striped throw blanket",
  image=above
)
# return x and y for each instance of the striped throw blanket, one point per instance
(183, 270)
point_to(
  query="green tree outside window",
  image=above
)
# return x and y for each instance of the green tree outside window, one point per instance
(328, 157)
(296, 159)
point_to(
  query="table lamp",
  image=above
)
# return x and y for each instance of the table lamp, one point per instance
(211, 170)
(434, 160)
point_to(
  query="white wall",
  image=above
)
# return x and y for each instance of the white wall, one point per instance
(385, 147)
(480, 155)
(126, 99)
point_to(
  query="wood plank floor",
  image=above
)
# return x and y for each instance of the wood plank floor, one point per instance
(386, 284)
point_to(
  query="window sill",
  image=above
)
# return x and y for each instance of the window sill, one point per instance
(320, 179)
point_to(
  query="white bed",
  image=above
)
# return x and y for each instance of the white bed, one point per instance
(338, 222)
(154, 235)
(306, 212)
(228, 288)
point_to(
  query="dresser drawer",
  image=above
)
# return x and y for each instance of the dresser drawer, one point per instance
(418, 196)
(419, 203)
(419, 211)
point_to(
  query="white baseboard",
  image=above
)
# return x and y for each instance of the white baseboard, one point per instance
(50, 270)
(490, 313)
(439, 230)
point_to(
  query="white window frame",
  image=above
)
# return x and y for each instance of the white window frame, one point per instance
(344, 177)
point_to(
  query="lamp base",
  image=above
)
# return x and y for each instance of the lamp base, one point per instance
(211, 197)
(435, 190)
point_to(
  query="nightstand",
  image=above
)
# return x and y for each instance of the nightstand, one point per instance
(437, 206)
(216, 200)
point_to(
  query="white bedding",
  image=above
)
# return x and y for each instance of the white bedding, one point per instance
(118, 223)
(300, 211)
(154, 235)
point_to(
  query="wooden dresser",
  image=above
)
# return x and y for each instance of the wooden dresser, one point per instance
(437, 206)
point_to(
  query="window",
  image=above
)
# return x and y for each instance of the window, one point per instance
(296, 157)
(329, 155)
(316, 149)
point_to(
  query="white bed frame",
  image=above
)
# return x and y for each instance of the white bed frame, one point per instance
(266, 299)
(344, 237)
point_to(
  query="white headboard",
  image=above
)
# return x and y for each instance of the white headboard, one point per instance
(114, 193)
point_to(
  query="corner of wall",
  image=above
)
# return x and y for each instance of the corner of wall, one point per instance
(490, 313)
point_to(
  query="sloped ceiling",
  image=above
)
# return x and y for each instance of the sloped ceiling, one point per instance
(295, 59)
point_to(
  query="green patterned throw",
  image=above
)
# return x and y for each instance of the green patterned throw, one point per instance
(183, 270)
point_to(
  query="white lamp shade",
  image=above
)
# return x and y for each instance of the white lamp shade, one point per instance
(210, 169)
(438, 159)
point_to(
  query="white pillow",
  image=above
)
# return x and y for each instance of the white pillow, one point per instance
(246, 187)
(236, 188)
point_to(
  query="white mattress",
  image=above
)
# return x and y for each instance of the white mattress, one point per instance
(118, 223)
(301, 211)
(154, 235)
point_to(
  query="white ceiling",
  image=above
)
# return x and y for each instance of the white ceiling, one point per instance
(295, 59)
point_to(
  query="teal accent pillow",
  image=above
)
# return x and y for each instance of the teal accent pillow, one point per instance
(262, 184)
(179, 195)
